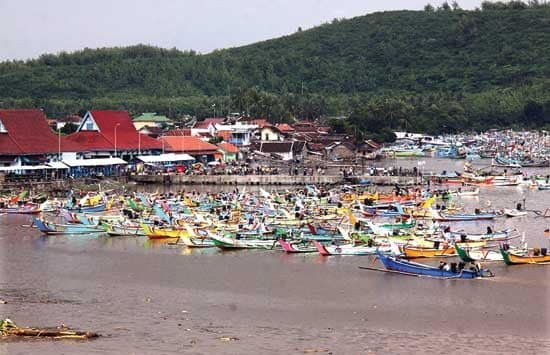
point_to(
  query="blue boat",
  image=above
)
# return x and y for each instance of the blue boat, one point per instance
(415, 269)
(100, 207)
(54, 228)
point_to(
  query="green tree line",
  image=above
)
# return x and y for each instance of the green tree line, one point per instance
(438, 70)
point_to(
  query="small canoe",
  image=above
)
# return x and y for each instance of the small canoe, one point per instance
(514, 212)
(55, 228)
(348, 249)
(416, 269)
(511, 258)
(473, 255)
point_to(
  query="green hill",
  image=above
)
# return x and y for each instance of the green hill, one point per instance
(427, 70)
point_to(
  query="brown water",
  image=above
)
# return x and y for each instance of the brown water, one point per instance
(151, 298)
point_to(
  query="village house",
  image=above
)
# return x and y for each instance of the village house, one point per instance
(26, 139)
(270, 133)
(290, 150)
(229, 152)
(110, 133)
(201, 150)
(151, 119)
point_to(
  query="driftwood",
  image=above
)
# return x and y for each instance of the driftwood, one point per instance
(8, 328)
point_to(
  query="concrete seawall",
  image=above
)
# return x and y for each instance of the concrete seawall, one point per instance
(268, 180)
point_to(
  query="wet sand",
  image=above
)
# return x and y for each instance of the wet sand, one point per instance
(151, 298)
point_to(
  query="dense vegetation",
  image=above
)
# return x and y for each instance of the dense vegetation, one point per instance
(438, 70)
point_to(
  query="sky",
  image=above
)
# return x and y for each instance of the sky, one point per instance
(29, 28)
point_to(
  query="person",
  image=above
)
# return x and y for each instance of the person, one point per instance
(489, 230)
(447, 267)
(442, 264)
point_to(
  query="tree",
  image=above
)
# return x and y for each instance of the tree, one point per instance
(429, 8)
(68, 128)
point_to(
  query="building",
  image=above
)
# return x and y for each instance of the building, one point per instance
(27, 139)
(229, 151)
(151, 119)
(270, 133)
(111, 133)
(340, 151)
(194, 146)
(292, 150)
(241, 133)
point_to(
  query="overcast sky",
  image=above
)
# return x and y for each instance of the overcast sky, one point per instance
(29, 28)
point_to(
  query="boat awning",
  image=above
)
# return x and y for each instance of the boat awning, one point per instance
(57, 165)
(168, 157)
(94, 162)
(24, 167)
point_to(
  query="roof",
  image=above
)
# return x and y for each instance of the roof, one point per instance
(164, 158)
(284, 127)
(94, 162)
(178, 132)
(271, 127)
(208, 121)
(152, 117)
(279, 147)
(228, 147)
(188, 144)
(109, 121)
(27, 132)
(224, 134)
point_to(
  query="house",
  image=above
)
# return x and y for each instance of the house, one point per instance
(241, 133)
(289, 150)
(104, 133)
(340, 151)
(152, 132)
(27, 139)
(285, 128)
(229, 151)
(194, 146)
(270, 133)
(151, 119)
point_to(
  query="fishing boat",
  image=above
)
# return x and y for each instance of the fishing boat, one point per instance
(514, 212)
(229, 240)
(480, 254)
(416, 269)
(441, 216)
(24, 209)
(55, 228)
(348, 249)
(153, 232)
(531, 256)
(297, 246)
(423, 252)
(123, 230)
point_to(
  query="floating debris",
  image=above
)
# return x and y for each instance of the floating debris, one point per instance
(9, 328)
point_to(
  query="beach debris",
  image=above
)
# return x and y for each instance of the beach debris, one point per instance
(228, 338)
(9, 328)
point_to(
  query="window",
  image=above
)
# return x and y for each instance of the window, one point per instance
(3, 128)
(90, 126)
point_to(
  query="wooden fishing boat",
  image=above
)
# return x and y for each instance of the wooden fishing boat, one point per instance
(348, 249)
(530, 257)
(116, 230)
(481, 254)
(459, 217)
(153, 232)
(297, 246)
(237, 241)
(514, 212)
(55, 228)
(421, 252)
(497, 236)
(417, 269)
(24, 209)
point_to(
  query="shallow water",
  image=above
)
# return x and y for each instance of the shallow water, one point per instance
(152, 298)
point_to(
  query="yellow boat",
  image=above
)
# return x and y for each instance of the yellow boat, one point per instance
(162, 233)
(419, 252)
(529, 258)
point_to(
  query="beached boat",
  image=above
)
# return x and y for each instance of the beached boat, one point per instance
(530, 257)
(417, 269)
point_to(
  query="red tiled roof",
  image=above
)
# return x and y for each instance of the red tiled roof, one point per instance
(228, 147)
(188, 144)
(126, 134)
(28, 133)
(284, 127)
(178, 132)
(207, 121)
(224, 134)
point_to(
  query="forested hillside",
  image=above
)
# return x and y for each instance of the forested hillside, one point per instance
(433, 70)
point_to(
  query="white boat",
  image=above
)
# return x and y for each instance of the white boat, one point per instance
(514, 212)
